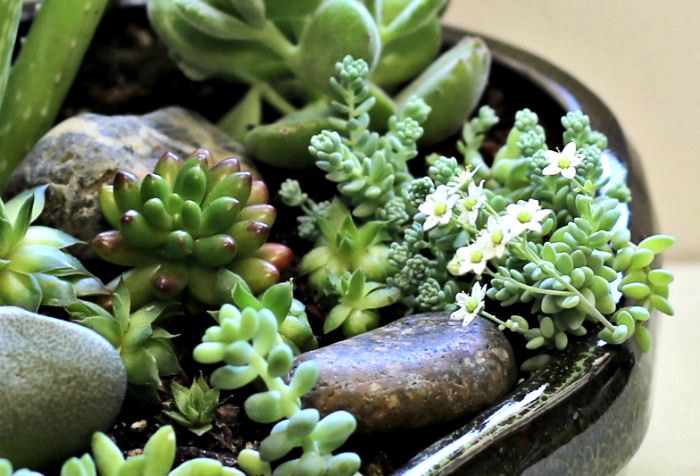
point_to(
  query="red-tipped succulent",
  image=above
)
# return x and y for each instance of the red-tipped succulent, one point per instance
(194, 227)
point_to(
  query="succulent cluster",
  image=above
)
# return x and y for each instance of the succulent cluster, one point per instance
(156, 459)
(271, 45)
(542, 227)
(34, 268)
(249, 343)
(191, 227)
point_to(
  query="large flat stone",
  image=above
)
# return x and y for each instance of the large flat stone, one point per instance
(414, 372)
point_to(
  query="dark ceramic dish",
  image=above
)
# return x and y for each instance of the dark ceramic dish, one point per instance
(588, 410)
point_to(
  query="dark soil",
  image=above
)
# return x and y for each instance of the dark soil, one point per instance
(128, 72)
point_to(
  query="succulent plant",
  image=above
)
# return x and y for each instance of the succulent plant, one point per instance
(146, 350)
(270, 45)
(250, 346)
(156, 459)
(358, 302)
(33, 87)
(192, 226)
(34, 269)
(292, 322)
(195, 405)
(343, 246)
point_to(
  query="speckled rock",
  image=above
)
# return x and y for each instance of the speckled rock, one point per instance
(60, 383)
(82, 153)
(414, 372)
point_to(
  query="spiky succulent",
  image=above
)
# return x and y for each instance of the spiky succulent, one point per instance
(34, 269)
(195, 405)
(145, 348)
(193, 227)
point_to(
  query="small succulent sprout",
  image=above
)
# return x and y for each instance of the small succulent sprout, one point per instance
(345, 247)
(358, 302)
(145, 348)
(195, 405)
(192, 227)
(34, 269)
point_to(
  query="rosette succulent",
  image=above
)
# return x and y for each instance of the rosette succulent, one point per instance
(34, 269)
(192, 227)
(145, 348)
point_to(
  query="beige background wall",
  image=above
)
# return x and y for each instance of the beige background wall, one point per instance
(643, 58)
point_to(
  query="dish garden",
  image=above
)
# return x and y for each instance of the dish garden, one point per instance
(371, 240)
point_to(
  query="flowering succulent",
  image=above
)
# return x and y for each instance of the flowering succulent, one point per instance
(145, 349)
(195, 405)
(194, 227)
(34, 269)
(249, 344)
(543, 228)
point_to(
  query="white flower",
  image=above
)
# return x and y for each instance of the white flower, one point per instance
(438, 207)
(470, 305)
(463, 177)
(524, 216)
(471, 258)
(563, 162)
(497, 235)
(471, 204)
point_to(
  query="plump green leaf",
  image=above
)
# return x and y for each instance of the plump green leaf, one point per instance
(160, 452)
(264, 407)
(336, 29)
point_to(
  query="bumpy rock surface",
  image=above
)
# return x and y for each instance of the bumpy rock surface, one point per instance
(82, 153)
(414, 372)
(59, 383)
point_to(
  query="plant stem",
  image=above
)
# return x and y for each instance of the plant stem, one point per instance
(275, 99)
(289, 405)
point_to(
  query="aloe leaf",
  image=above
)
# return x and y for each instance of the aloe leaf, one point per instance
(10, 11)
(42, 74)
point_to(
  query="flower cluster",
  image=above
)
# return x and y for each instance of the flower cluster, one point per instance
(539, 227)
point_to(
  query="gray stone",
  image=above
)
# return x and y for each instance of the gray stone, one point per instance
(414, 372)
(60, 383)
(82, 153)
